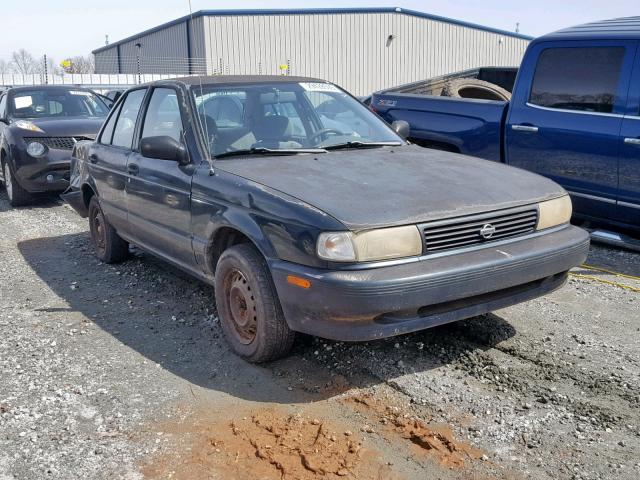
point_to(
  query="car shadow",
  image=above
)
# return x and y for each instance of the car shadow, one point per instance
(170, 319)
(41, 200)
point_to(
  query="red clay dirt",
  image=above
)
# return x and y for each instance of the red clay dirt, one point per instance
(266, 444)
(434, 440)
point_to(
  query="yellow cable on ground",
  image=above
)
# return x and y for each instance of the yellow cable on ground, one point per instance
(608, 282)
(617, 274)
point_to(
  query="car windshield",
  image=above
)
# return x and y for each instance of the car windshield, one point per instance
(288, 116)
(39, 103)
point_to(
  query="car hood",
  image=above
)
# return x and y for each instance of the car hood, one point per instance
(381, 187)
(65, 127)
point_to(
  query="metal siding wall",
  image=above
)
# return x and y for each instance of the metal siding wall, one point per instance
(346, 48)
(350, 49)
(107, 61)
(164, 51)
(198, 45)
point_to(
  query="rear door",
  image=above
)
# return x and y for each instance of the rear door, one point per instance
(108, 158)
(628, 210)
(159, 191)
(566, 115)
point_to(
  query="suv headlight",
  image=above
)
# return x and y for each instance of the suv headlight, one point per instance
(371, 245)
(554, 212)
(27, 125)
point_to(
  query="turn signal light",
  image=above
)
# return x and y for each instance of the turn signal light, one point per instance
(298, 282)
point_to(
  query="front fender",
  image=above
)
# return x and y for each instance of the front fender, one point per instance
(282, 227)
(209, 218)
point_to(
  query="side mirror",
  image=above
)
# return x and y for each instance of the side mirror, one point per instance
(402, 128)
(4, 120)
(164, 148)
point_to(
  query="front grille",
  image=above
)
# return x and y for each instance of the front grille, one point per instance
(465, 231)
(57, 143)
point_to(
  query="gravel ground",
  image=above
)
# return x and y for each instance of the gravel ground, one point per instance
(122, 372)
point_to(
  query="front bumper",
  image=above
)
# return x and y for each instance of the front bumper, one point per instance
(357, 305)
(31, 172)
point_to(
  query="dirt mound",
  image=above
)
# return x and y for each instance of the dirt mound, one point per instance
(430, 438)
(269, 444)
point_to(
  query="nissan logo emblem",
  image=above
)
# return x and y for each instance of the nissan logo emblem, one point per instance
(487, 231)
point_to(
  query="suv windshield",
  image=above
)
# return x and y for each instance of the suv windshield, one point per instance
(56, 103)
(285, 116)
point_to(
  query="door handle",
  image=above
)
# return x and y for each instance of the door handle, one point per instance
(525, 128)
(632, 141)
(133, 169)
(93, 158)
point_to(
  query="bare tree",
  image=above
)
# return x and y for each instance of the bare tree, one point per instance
(79, 64)
(23, 62)
(5, 67)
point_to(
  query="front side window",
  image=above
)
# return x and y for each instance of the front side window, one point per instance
(584, 79)
(58, 102)
(285, 116)
(126, 124)
(163, 115)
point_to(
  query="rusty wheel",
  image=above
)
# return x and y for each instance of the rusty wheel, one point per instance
(250, 313)
(109, 247)
(242, 305)
(98, 232)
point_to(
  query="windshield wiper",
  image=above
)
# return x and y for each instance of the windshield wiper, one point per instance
(359, 144)
(270, 151)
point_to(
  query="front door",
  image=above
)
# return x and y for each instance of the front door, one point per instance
(564, 123)
(159, 191)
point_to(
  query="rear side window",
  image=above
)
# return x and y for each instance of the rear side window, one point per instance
(107, 133)
(126, 124)
(583, 79)
(3, 106)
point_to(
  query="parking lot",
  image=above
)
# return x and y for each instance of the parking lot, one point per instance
(122, 372)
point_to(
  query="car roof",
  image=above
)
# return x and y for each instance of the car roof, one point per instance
(627, 28)
(46, 87)
(236, 79)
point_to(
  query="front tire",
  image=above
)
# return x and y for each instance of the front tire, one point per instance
(108, 245)
(248, 306)
(17, 195)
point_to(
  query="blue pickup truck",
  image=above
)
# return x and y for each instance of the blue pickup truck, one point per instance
(571, 112)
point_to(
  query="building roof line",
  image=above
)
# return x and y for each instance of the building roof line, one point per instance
(312, 11)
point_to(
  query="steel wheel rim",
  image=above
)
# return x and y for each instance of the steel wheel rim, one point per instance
(99, 231)
(8, 182)
(242, 307)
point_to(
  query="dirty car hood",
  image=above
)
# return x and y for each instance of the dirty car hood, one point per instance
(381, 187)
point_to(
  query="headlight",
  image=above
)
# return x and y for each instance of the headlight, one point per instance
(27, 125)
(36, 149)
(554, 212)
(382, 244)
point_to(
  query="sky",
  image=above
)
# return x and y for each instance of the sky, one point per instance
(66, 28)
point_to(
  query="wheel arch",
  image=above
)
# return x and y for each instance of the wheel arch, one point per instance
(87, 193)
(224, 237)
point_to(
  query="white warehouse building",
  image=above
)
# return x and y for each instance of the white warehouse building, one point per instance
(360, 49)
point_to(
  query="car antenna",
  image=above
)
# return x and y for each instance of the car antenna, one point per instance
(204, 124)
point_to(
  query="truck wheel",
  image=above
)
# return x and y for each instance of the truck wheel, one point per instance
(248, 306)
(17, 195)
(472, 88)
(108, 245)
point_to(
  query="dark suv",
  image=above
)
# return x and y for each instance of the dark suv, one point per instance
(309, 214)
(39, 125)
